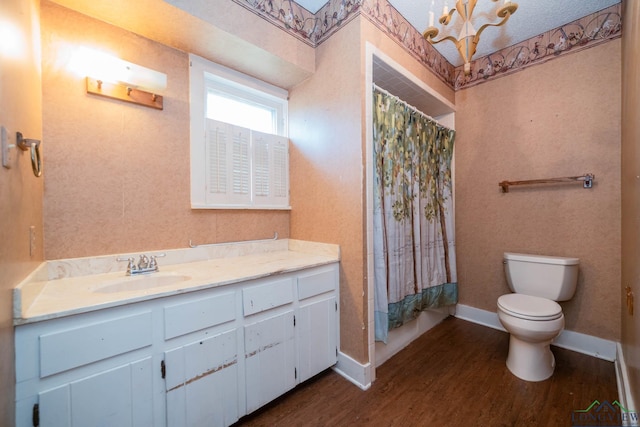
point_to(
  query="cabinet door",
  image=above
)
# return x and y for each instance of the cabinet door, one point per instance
(202, 382)
(269, 358)
(317, 337)
(118, 397)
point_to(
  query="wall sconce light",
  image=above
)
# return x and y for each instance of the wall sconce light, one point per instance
(113, 77)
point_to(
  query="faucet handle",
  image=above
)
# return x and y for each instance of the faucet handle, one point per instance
(153, 262)
(131, 266)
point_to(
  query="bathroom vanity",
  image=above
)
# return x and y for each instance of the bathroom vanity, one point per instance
(204, 343)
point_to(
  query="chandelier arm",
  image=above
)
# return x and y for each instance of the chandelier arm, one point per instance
(450, 38)
(482, 28)
(446, 18)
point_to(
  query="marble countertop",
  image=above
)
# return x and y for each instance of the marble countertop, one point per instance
(65, 287)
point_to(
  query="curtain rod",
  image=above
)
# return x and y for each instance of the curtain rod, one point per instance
(386, 92)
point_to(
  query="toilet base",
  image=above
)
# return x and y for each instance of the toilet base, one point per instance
(530, 361)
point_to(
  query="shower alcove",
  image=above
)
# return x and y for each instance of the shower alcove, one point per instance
(387, 74)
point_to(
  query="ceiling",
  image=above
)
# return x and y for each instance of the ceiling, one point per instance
(533, 17)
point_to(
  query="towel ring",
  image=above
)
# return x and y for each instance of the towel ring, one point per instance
(34, 146)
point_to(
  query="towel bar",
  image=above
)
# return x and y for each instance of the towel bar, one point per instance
(587, 181)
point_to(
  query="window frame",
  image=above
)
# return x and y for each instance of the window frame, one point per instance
(206, 76)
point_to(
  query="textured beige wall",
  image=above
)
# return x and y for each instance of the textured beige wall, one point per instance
(327, 120)
(561, 118)
(20, 190)
(631, 192)
(326, 171)
(233, 35)
(118, 173)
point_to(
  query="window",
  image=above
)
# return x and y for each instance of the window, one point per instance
(239, 149)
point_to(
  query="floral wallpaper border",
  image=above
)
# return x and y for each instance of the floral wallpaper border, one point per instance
(382, 14)
(310, 28)
(588, 31)
(313, 29)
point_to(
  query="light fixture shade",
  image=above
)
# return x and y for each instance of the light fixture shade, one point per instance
(107, 68)
(112, 77)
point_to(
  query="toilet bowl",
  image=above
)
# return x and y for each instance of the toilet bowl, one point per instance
(532, 323)
(531, 314)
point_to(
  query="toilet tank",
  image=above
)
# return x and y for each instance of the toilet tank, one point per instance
(550, 277)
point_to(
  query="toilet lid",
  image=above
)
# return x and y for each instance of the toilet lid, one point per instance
(529, 307)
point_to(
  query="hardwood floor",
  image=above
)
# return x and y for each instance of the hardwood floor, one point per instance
(454, 375)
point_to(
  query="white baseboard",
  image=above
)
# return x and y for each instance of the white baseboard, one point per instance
(479, 316)
(354, 371)
(575, 341)
(624, 387)
(587, 344)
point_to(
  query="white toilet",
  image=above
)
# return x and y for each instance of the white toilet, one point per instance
(530, 314)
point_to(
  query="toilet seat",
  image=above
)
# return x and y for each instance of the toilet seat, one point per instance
(529, 307)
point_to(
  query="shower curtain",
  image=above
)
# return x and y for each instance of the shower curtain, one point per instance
(413, 237)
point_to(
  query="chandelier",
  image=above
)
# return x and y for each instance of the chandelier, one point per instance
(468, 39)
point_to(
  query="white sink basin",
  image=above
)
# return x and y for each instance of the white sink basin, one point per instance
(140, 283)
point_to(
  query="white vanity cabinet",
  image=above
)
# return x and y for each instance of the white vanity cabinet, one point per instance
(269, 340)
(89, 370)
(201, 365)
(202, 384)
(316, 322)
(121, 396)
(291, 335)
(206, 357)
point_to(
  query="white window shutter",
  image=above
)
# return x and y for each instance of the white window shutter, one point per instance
(261, 176)
(244, 168)
(228, 169)
(216, 161)
(281, 171)
(270, 170)
(241, 171)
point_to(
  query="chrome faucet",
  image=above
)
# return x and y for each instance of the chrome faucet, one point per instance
(146, 264)
(143, 263)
